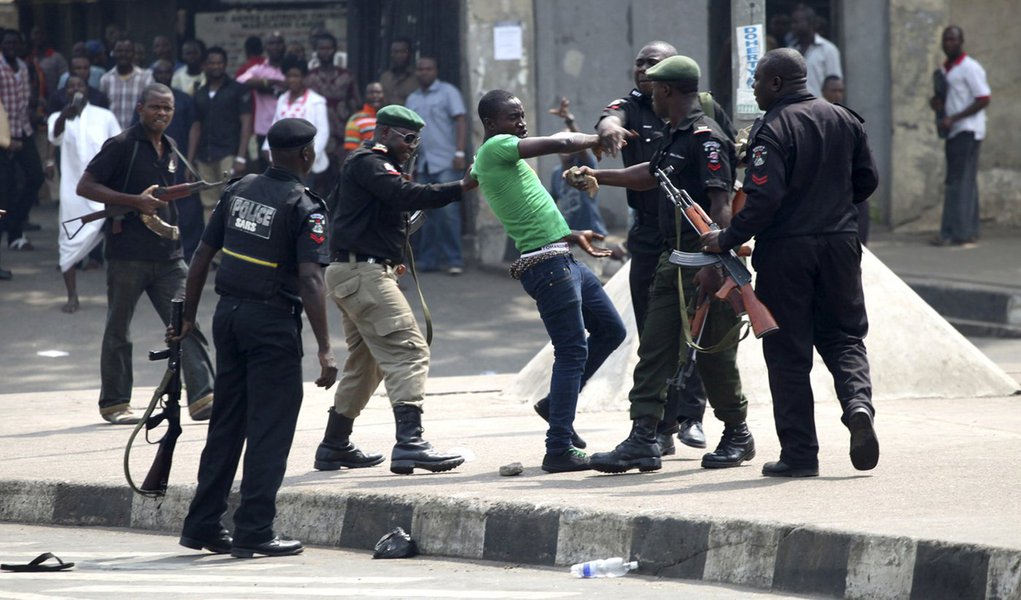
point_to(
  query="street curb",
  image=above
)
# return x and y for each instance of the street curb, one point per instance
(973, 308)
(771, 556)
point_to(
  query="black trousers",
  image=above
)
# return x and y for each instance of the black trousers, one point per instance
(812, 285)
(258, 395)
(20, 199)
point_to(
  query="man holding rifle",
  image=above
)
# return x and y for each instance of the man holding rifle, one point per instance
(809, 163)
(272, 231)
(126, 173)
(698, 156)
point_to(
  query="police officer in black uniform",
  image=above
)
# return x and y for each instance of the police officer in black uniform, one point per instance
(809, 164)
(685, 406)
(370, 235)
(273, 234)
(700, 155)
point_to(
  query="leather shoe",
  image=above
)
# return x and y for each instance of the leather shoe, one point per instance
(123, 416)
(274, 547)
(864, 443)
(219, 544)
(691, 433)
(782, 469)
(666, 444)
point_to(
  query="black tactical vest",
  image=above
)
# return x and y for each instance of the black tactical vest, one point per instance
(259, 260)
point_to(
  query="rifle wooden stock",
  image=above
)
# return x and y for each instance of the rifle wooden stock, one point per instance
(737, 288)
(159, 473)
(169, 391)
(167, 194)
(158, 477)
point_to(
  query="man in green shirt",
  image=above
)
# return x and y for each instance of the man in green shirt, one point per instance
(568, 295)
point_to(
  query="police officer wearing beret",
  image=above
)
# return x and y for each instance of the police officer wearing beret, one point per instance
(809, 164)
(370, 235)
(273, 234)
(701, 155)
(633, 112)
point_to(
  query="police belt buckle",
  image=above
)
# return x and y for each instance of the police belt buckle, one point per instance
(692, 260)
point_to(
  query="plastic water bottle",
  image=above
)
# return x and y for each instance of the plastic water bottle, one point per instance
(607, 567)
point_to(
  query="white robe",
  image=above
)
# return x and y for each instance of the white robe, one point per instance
(81, 141)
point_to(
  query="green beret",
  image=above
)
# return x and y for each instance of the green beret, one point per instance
(675, 68)
(291, 133)
(395, 115)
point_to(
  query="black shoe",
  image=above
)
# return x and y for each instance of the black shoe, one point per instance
(274, 547)
(691, 433)
(639, 451)
(666, 444)
(736, 446)
(542, 408)
(220, 543)
(6, 275)
(782, 469)
(337, 450)
(864, 443)
(411, 451)
(329, 458)
(568, 461)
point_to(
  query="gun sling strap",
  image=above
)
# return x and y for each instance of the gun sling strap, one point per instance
(732, 338)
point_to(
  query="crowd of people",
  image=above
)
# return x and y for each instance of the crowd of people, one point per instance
(280, 249)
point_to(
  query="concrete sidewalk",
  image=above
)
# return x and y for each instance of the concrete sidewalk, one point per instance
(939, 517)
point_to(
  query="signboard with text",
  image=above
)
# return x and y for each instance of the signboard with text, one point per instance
(229, 29)
(750, 46)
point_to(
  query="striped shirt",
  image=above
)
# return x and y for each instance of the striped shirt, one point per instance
(124, 92)
(15, 90)
(360, 127)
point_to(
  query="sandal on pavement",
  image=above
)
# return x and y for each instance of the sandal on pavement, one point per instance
(37, 566)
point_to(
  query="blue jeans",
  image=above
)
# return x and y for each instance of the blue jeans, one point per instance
(960, 205)
(439, 240)
(162, 281)
(571, 300)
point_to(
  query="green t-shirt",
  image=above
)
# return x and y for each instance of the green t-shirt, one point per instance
(514, 192)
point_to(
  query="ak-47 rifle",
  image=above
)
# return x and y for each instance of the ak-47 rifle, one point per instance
(737, 289)
(168, 397)
(156, 224)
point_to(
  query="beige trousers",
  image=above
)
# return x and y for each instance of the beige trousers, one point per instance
(383, 339)
(212, 171)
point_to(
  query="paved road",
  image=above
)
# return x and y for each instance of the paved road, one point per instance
(485, 323)
(113, 563)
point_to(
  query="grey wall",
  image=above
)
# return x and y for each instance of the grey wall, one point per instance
(584, 49)
(865, 47)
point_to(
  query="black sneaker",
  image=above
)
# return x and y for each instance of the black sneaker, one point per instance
(567, 461)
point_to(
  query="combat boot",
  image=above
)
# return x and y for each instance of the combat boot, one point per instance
(736, 446)
(542, 408)
(411, 451)
(336, 449)
(639, 451)
(665, 438)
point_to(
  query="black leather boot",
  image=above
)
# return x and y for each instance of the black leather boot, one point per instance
(639, 451)
(736, 446)
(542, 407)
(665, 438)
(336, 449)
(411, 451)
(691, 433)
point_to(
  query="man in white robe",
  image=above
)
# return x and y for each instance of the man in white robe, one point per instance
(79, 131)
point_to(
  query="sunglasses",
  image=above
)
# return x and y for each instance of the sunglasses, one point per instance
(410, 139)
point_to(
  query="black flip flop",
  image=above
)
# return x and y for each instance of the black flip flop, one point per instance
(37, 566)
